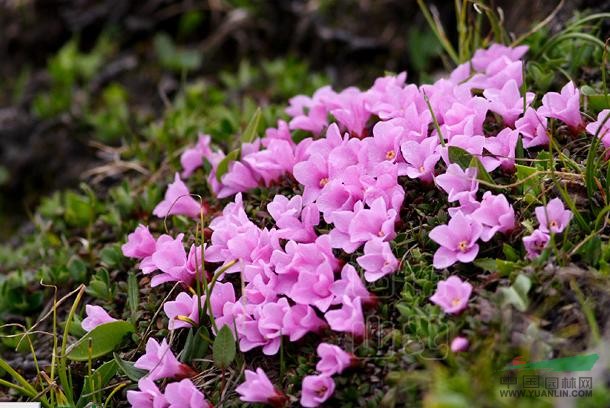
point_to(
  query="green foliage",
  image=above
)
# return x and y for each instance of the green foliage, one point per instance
(100, 341)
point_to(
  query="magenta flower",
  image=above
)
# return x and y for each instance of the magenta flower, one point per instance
(458, 241)
(421, 158)
(535, 243)
(313, 174)
(96, 316)
(161, 362)
(457, 182)
(170, 257)
(378, 260)
(349, 318)
(459, 344)
(313, 287)
(564, 106)
(300, 320)
(352, 114)
(375, 222)
(148, 395)
(239, 178)
(295, 221)
(554, 217)
(178, 201)
(270, 324)
(502, 147)
(333, 360)
(184, 394)
(532, 127)
(602, 131)
(452, 295)
(316, 389)
(258, 389)
(183, 310)
(484, 57)
(508, 102)
(350, 285)
(495, 214)
(140, 243)
(192, 158)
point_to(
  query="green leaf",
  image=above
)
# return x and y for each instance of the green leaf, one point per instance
(103, 339)
(516, 295)
(99, 378)
(128, 368)
(460, 157)
(252, 129)
(196, 345)
(133, 293)
(223, 166)
(224, 348)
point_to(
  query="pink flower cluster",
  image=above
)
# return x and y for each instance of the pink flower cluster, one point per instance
(349, 172)
(552, 218)
(161, 363)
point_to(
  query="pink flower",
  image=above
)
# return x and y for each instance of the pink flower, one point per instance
(554, 217)
(452, 295)
(270, 324)
(564, 106)
(333, 360)
(258, 389)
(502, 147)
(178, 201)
(484, 57)
(495, 215)
(352, 114)
(532, 127)
(184, 306)
(508, 102)
(96, 316)
(171, 258)
(148, 395)
(375, 222)
(457, 182)
(349, 318)
(161, 362)
(316, 389)
(602, 131)
(300, 320)
(421, 158)
(350, 285)
(184, 394)
(140, 243)
(295, 221)
(239, 178)
(313, 287)
(535, 243)
(192, 158)
(378, 260)
(313, 174)
(459, 344)
(458, 241)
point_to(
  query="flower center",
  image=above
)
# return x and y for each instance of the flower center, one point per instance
(390, 155)
(422, 169)
(321, 391)
(380, 234)
(455, 302)
(323, 181)
(554, 224)
(463, 246)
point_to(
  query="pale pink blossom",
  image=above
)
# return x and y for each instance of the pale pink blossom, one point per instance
(258, 389)
(452, 295)
(459, 344)
(535, 243)
(184, 394)
(333, 360)
(160, 362)
(553, 217)
(457, 240)
(192, 158)
(349, 318)
(178, 201)
(564, 106)
(147, 396)
(96, 316)
(316, 389)
(378, 260)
